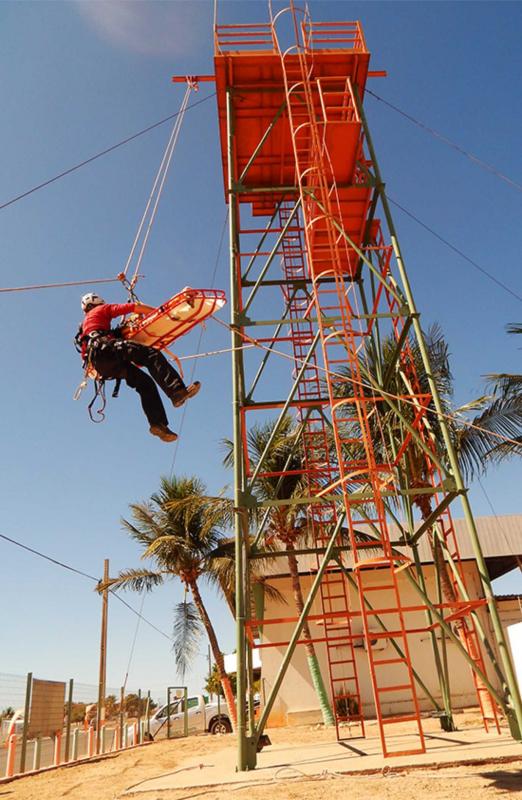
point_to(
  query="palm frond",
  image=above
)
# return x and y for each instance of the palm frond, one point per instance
(186, 632)
(484, 441)
(137, 580)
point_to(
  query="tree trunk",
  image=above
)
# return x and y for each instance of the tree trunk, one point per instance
(216, 652)
(311, 656)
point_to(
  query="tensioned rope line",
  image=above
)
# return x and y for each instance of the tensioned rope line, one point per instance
(363, 384)
(58, 285)
(476, 160)
(84, 575)
(156, 191)
(456, 250)
(200, 339)
(101, 153)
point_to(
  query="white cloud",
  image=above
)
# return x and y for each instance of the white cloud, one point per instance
(150, 27)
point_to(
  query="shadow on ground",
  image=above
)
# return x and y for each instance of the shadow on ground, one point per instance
(505, 780)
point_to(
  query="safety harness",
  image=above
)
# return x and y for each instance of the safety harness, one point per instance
(91, 341)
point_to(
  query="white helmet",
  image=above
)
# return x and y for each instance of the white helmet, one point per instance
(91, 299)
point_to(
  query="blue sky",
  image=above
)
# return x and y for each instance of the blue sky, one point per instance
(78, 77)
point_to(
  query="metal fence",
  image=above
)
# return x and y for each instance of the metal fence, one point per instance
(48, 723)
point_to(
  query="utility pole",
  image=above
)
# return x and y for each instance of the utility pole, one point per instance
(103, 657)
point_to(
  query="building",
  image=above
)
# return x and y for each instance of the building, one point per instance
(297, 703)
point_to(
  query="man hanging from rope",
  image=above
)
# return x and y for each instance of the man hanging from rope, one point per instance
(116, 358)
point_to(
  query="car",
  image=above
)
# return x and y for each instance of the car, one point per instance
(202, 717)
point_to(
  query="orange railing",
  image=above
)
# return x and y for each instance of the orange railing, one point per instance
(330, 35)
(243, 37)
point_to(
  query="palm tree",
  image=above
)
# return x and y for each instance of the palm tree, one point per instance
(180, 545)
(505, 405)
(286, 524)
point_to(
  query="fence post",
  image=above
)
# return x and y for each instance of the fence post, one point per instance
(126, 736)
(76, 734)
(27, 710)
(90, 746)
(147, 712)
(117, 739)
(37, 753)
(139, 715)
(122, 704)
(68, 728)
(102, 741)
(11, 755)
(185, 712)
(135, 739)
(57, 748)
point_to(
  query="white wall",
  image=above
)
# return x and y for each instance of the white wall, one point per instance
(297, 701)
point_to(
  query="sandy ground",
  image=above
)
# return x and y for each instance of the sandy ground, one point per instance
(108, 779)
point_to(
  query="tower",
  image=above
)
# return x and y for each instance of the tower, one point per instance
(319, 287)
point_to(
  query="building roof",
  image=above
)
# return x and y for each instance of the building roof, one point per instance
(500, 538)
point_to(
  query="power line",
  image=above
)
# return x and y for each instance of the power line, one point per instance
(456, 250)
(84, 575)
(48, 558)
(476, 160)
(100, 154)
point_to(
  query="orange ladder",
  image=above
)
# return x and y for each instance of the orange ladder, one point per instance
(327, 255)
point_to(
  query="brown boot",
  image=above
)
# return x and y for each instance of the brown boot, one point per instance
(185, 394)
(163, 432)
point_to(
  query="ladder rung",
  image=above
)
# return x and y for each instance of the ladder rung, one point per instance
(390, 661)
(399, 688)
(392, 720)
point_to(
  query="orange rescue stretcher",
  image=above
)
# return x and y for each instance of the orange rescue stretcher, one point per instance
(175, 318)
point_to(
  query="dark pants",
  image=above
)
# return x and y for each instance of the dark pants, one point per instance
(118, 358)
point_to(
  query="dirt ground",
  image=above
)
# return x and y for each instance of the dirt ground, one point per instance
(108, 779)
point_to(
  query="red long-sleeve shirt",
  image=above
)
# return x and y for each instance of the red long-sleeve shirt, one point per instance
(99, 318)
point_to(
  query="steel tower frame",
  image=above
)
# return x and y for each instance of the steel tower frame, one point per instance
(376, 448)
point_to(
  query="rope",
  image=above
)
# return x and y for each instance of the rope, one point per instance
(100, 154)
(299, 362)
(156, 191)
(201, 334)
(84, 575)
(456, 250)
(133, 645)
(58, 285)
(476, 160)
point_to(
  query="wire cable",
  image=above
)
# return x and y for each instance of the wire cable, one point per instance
(107, 150)
(84, 575)
(476, 160)
(456, 250)
(201, 334)
(300, 362)
(58, 285)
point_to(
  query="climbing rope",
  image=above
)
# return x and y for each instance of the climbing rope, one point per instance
(151, 207)
(455, 416)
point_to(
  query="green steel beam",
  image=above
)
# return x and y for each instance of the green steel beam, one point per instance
(296, 634)
(337, 225)
(268, 351)
(397, 352)
(262, 141)
(271, 257)
(267, 230)
(430, 521)
(266, 515)
(510, 677)
(241, 555)
(285, 408)
(455, 639)
(393, 643)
